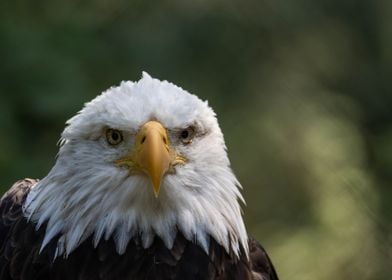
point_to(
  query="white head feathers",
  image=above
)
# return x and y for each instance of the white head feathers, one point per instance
(86, 194)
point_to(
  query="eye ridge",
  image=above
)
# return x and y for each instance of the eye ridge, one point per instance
(114, 136)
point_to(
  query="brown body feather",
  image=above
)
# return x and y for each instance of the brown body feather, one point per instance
(20, 258)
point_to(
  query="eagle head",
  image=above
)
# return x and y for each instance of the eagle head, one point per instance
(145, 159)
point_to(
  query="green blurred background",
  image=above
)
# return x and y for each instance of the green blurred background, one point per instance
(302, 90)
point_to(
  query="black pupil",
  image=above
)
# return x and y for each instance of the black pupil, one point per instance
(184, 134)
(115, 136)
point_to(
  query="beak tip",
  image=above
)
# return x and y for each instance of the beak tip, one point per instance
(156, 188)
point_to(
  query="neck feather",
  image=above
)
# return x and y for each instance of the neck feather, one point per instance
(114, 205)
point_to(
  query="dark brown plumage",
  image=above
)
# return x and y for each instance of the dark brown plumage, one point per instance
(20, 258)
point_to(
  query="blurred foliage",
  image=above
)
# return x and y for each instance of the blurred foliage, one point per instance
(302, 90)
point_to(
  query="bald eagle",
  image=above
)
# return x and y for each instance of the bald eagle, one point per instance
(141, 189)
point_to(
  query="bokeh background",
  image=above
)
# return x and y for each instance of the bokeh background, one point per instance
(302, 90)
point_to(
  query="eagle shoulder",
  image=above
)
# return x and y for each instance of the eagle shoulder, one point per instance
(13, 229)
(17, 194)
(260, 263)
(11, 204)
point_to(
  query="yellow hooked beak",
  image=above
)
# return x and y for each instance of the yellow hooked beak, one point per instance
(151, 154)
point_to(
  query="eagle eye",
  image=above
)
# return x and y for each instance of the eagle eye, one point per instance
(186, 135)
(114, 136)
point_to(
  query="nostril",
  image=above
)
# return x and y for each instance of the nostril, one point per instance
(143, 140)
